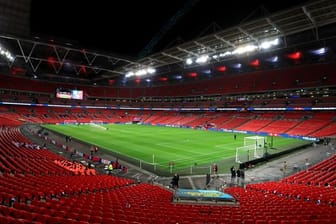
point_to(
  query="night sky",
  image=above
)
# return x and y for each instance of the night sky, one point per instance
(126, 27)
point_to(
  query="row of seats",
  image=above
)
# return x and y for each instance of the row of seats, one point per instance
(146, 203)
(322, 174)
(76, 167)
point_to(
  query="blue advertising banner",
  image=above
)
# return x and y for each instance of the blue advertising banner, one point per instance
(203, 195)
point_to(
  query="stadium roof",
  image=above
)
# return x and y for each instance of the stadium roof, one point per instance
(52, 59)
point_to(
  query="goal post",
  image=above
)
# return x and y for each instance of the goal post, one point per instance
(70, 122)
(98, 125)
(253, 148)
(259, 141)
(96, 122)
(245, 153)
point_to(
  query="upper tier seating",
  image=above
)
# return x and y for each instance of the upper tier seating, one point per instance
(282, 79)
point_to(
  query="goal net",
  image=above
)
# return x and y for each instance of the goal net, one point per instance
(259, 141)
(253, 148)
(99, 122)
(98, 125)
(70, 122)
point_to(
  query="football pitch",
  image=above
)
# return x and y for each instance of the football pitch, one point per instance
(166, 149)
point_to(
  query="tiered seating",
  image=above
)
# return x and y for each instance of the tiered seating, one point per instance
(146, 203)
(279, 126)
(315, 124)
(47, 115)
(19, 155)
(66, 198)
(308, 127)
(9, 122)
(300, 102)
(234, 122)
(288, 78)
(30, 174)
(154, 118)
(199, 121)
(187, 120)
(76, 167)
(297, 115)
(326, 101)
(254, 125)
(263, 204)
(315, 194)
(221, 118)
(29, 187)
(329, 130)
(322, 174)
(47, 190)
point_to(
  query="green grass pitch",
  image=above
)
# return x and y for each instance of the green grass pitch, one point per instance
(185, 147)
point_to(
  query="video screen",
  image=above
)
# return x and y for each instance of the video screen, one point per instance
(77, 94)
(69, 94)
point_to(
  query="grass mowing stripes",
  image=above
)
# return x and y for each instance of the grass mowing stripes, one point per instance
(185, 147)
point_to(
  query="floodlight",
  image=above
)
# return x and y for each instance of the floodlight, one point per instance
(6, 53)
(269, 44)
(245, 49)
(129, 74)
(151, 70)
(189, 61)
(227, 53)
(202, 59)
(237, 65)
(320, 51)
(140, 72)
(273, 59)
(207, 71)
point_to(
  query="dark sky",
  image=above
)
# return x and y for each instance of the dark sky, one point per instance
(126, 27)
